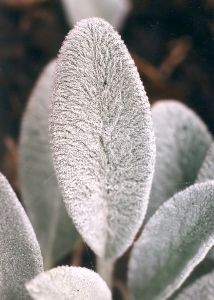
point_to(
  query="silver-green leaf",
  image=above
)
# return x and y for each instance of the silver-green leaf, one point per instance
(182, 141)
(206, 173)
(102, 137)
(201, 289)
(66, 283)
(175, 239)
(20, 255)
(39, 187)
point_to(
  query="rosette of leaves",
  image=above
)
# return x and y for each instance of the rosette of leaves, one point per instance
(39, 188)
(100, 118)
(104, 156)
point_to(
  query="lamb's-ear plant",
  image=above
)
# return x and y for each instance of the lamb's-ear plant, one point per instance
(113, 11)
(103, 148)
(201, 289)
(175, 239)
(68, 283)
(182, 141)
(102, 138)
(39, 187)
(20, 256)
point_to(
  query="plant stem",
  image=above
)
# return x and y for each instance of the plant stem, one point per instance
(105, 268)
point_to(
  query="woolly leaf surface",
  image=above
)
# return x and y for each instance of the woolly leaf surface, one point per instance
(66, 283)
(102, 137)
(201, 289)
(182, 141)
(204, 267)
(20, 256)
(39, 187)
(175, 240)
(206, 171)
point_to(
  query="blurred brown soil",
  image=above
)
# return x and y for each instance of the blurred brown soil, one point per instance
(31, 33)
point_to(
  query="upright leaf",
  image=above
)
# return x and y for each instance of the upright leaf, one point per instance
(66, 283)
(182, 141)
(20, 256)
(201, 289)
(174, 241)
(113, 11)
(102, 137)
(39, 187)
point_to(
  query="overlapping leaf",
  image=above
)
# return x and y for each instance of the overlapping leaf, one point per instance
(182, 141)
(206, 171)
(39, 187)
(20, 256)
(66, 283)
(102, 137)
(175, 239)
(113, 11)
(201, 289)
(204, 267)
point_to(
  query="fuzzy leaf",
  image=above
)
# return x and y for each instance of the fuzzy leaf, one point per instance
(201, 289)
(113, 11)
(204, 267)
(20, 256)
(102, 137)
(66, 283)
(39, 187)
(175, 240)
(182, 141)
(206, 171)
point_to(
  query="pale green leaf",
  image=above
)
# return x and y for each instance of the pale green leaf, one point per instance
(174, 241)
(102, 137)
(201, 289)
(182, 141)
(20, 256)
(68, 283)
(39, 187)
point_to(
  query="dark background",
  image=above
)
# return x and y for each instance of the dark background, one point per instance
(171, 41)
